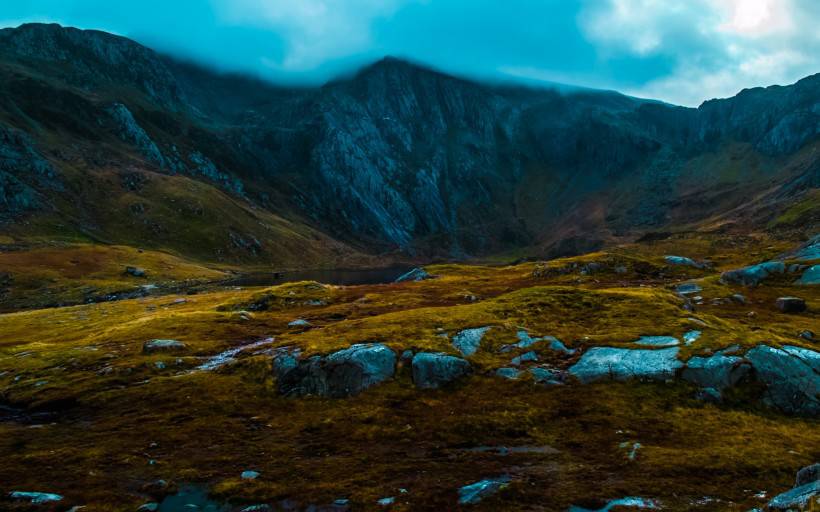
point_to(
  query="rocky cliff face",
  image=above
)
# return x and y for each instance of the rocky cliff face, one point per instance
(402, 157)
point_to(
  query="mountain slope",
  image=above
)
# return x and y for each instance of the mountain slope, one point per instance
(396, 157)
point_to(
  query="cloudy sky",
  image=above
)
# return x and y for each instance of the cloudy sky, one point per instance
(681, 52)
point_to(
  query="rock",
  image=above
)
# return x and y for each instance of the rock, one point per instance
(692, 336)
(753, 275)
(791, 376)
(547, 376)
(710, 395)
(36, 498)
(810, 276)
(688, 288)
(808, 335)
(417, 274)
(808, 251)
(524, 358)
(739, 298)
(344, 373)
(135, 271)
(684, 261)
(159, 345)
(473, 493)
(468, 340)
(718, 371)
(609, 363)
(407, 356)
(299, 322)
(618, 504)
(249, 475)
(658, 341)
(791, 304)
(148, 507)
(798, 498)
(384, 502)
(433, 370)
(262, 507)
(508, 373)
(525, 341)
(808, 475)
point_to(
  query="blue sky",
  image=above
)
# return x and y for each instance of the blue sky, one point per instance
(680, 52)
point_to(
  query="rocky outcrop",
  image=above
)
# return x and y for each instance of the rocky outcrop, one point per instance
(753, 275)
(434, 370)
(344, 373)
(797, 498)
(791, 375)
(810, 276)
(609, 363)
(469, 340)
(684, 261)
(718, 372)
(808, 475)
(129, 131)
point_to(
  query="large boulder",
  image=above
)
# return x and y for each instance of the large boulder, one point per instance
(753, 275)
(718, 371)
(344, 373)
(798, 498)
(810, 276)
(609, 363)
(791, 304)
(808, 475)
(791, 376)
(433, 370)
(683, 261)
(469, 340)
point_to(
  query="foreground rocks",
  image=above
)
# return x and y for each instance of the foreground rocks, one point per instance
(791, 376)
(805, 495)
(717, 372)
(608, 363)
(434, 370)
(344, 373)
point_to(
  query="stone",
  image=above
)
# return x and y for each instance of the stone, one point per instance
(344, 373)
(469, 340)
(473, 493)
(684, 261)
(753, 275)
(609, 363)
(249, 475)
(433, 370)
(417, 274)
(161, 345)
(658, 341)
(688, 288)
(797, 498)
(149, 507)
(262, 507)
(547, 376)
(810, 276)
(135, 271)
(384, 502)
(526, 357)
(807, 335)
(620, 503)
(36, 498)
(711, 395)
(808, 475)
(739, 298)
(791, 376)
(718, 371)
(692, 336)
(525, 341)
(299, 322)
(508, 373)
(407, 356)
(791, 304)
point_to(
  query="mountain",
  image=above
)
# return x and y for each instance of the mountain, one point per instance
(104, 139)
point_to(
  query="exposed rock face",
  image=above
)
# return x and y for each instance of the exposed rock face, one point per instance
(129, 131)
(718, 372)
(753, 275)
(684, 261)
(791, 375)
(344, 373)
(469, 340)
(608, 363)
(433, 370)
(22, 171)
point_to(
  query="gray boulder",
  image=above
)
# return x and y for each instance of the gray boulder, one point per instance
(36, 498)
(508, 373)
(159, 345)
(344, 373)
(753, 275)
(417, 274)
(718, 372)
(433, 370)
(547, 376)
(688, 288)
(683, 261)
(808, 475)
(791, 376)
(609, 363)
(810, 276)
(798, 498)
(469, 340)
(790, 304)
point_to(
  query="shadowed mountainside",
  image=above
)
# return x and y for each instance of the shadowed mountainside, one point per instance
(104, 139)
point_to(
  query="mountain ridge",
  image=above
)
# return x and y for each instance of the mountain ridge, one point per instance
(406, 159)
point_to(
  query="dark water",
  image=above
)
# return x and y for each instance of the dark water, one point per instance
(334, 276)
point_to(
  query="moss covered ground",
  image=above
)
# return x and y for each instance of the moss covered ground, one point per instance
(88, 415)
